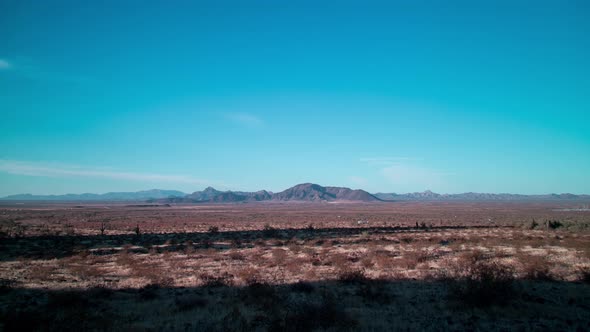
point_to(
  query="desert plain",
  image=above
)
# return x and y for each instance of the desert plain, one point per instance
(437, 266)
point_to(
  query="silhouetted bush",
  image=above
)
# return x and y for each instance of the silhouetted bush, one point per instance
(189, 302)
(224, 279)
(309, 316)
(352, 276)
(554, 224)
(269, 231)
(483, 283)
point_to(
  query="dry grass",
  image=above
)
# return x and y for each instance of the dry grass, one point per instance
(254, 254)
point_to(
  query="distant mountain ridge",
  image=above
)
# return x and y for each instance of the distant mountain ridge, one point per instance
(111, 196)
(471, 196)
(305, 192)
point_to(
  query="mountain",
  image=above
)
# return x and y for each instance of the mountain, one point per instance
(306, 192)
(310, 192)
(471, 196)
(111, 196)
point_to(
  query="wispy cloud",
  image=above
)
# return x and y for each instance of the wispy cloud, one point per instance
(358, 181)
(60, 170)
(245, 119)
(381, 161)
(408, 173)
(25, 67)
(410, 177)
(4, 64)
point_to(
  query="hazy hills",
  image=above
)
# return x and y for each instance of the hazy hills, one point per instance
(112, 196)
(431, 196)
(305, 192)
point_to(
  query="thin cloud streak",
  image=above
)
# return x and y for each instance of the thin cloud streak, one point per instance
(245, 119)
(53, 170)
(5, 64)
(385, 161)
(406, 177)
(29, 70)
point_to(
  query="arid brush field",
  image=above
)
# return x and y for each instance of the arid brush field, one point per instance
(295, 267)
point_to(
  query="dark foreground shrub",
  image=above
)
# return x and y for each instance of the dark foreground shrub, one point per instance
(224, 279)
(584, 275)
(309, 316)
(538, 268)
(352, 276)
(483, 283)
(189, 302)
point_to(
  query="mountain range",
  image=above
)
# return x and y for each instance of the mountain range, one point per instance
(305, 192)
(112, 196)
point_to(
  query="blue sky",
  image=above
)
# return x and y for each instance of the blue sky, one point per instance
(486, 96)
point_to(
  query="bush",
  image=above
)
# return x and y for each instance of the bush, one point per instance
(352, 276)
(224, 279)
(188, 302)
(554, 224)
(537, 268)
(483, 283)
(269, 231)
(302, 287)
(213, 229)
(309, 316)
(584, 274)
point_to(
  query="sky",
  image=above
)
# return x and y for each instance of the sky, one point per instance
(391, 96)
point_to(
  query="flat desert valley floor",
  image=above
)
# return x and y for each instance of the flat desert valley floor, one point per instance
(295, 267)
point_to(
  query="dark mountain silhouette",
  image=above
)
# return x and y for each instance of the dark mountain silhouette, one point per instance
(313, 192)
(306, 192)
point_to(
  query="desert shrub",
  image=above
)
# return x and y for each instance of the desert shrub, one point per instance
(23, 319)
(375, 291)
(533, 224)
(279, 256)
(189, 302)
(224, 279)
(213, 229)
(11, 228)
(250, 276)
(406, 239)
(367, 262)
(584, 274)
(554, 224)
(269, 231)
(6, 285)
(236, 256)
(100, 292)
(41, 272)
(537, 268)
(161, 280)
(234, 321)
(236, 242)
(352, 276)
(302, 287)
(65, 299)
(149, 292)
(481, 283)
(308, 316)
(260, 291)
(188, 247)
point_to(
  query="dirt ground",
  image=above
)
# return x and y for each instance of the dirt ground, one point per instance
(295, 267)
